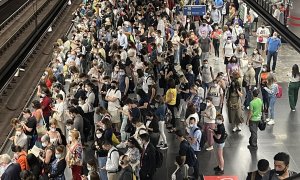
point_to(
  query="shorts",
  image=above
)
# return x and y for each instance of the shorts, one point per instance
(220, 146)
(261, 46)
(115, 117)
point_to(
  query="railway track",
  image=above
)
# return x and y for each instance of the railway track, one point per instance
(17, 91)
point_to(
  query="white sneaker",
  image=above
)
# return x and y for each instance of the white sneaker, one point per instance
(122, 145)
(209, 148)
(234, 129)
(268, 119)
(238, 128)
(271, 122)
(182, 120)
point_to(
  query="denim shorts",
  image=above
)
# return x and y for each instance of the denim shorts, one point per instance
(220, 146)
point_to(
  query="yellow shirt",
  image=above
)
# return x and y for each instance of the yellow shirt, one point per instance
(172, 91)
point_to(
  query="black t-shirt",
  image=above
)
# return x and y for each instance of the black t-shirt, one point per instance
(104, 88)
(184, 87)
(220, 130)
(154, 125)
(31, 123)
(135, 113)
(256, 175)
(186, 150)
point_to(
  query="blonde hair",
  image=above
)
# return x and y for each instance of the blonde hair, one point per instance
(75, 134)
(53, 121)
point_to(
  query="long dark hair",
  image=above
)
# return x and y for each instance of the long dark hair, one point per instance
(295, 70)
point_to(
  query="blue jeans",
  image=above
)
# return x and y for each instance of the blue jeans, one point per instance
(272, 100)
(102, 163)
(248, 97)
(124, 135)
(269, 57)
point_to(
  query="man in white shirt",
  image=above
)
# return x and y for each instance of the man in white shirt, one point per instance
(112, 162)
(161, 26)
(159, 41)
(262, 36)
(113, 97)
(59, 112)
(122, 39)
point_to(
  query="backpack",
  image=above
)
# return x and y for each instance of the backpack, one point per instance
(159, 157)
(114, 139)
(279, 93)
(131, 85)
(202, 140)
(120, 154)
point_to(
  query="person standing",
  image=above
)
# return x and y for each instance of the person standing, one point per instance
(170, 100)
(209, 115)
(113, 97)
(148, 160)
(234, 105)
(262, 34)
(262, 168)
(219, 137)
(257, 62)
(216, 35)
(126, 173)
(272, 90)
(273, 45)
(254, 117)
(187, 153)
(11, 171)
(293, 88)
(195, 134)
(74, 156)
(112, 162)
(281, 165)
(249, 80)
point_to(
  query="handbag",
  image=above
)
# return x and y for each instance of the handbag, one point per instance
(262, 123)
(41, 129)
(129, 128)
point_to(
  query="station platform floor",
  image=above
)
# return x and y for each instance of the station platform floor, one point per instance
(281, 137)
(284, 136)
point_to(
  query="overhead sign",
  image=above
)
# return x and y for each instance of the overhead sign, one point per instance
(220, 178)
(194, 10)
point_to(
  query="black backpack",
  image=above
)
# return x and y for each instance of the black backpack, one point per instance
(203, 137)
(131, 85)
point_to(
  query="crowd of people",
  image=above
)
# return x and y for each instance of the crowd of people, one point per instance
(132, 70)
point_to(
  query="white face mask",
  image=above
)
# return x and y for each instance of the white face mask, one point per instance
(68, 127)
(208, 103)
(57, 156)
(98, 135)
(53, 129)
(89, 168)
(191, 125)
(70, 138)
(44, 144)
(138, 98)
(218, 121)
(205, 65)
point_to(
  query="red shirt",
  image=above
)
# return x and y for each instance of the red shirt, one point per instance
(46, 102)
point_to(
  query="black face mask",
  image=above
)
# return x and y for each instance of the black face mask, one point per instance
(280, 173)
(113, 87)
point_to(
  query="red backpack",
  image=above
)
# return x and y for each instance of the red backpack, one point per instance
(279, 93)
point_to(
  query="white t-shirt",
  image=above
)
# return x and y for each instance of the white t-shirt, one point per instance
(263, 31)
(228, 49)
(113, 106)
